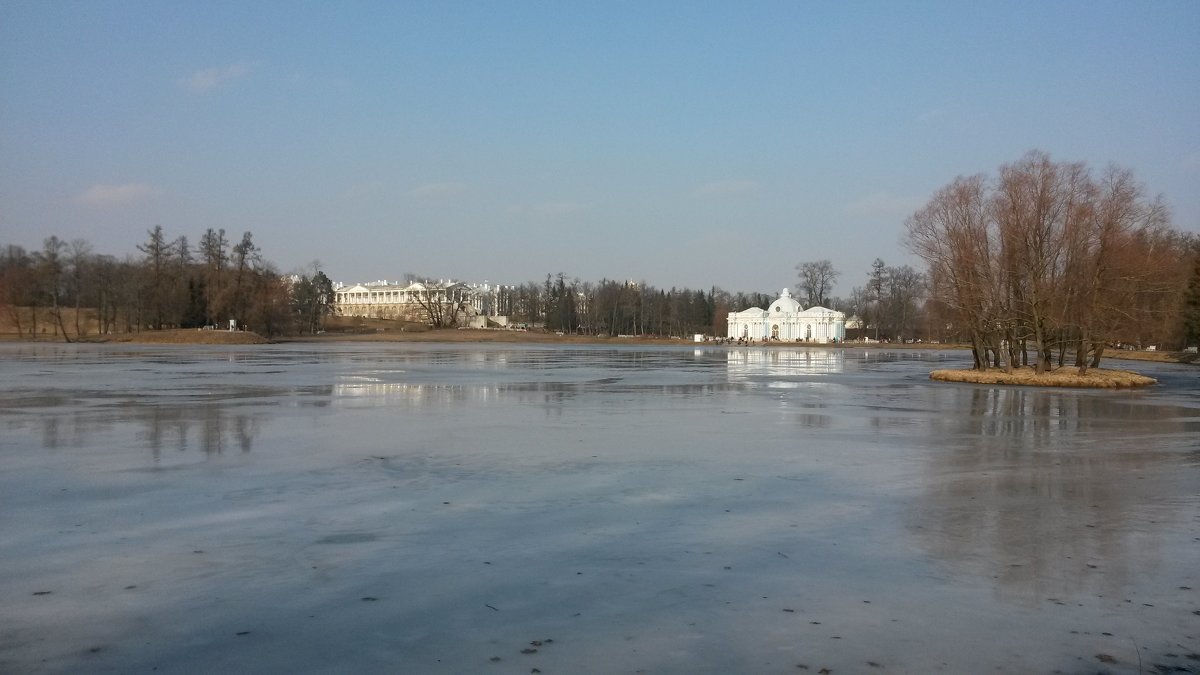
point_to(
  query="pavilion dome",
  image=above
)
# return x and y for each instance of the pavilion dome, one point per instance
(786, 304)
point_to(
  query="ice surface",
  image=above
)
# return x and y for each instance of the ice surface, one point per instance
(439, 509)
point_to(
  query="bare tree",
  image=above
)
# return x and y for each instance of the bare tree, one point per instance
(80, 261)
(17, 282)
(441, 303)
(52, 269)
(157, 255)
(1048, 257)
(952, 236)
(246, 259)
(214, 256)
(816, 281)
(906, 287)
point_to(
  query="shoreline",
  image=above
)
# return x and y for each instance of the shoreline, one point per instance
(186, 336)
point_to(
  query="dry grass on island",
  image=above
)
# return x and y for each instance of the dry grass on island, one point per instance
(1096, 378)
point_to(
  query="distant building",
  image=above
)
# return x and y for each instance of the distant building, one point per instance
(785, 320)
(452, 302)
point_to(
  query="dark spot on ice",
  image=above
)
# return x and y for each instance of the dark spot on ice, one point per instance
(42, 592)
(536, 643)
(369, 599)
(245, 632)
(130, 588)
(788, 610)
(529, 650)
(1105, 658)
(494, 659)
(348, 538)
(95, 649)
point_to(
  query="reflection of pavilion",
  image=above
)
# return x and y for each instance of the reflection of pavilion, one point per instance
(775, 362)
(365, 392)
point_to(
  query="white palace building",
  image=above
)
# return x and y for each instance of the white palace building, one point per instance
(784, 320)
(460, 303)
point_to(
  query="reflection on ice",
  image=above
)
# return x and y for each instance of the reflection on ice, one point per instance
(357, 392)
(655, 509)
(764, 362)
(209, 427)
(1045, 417)
(1044, 490)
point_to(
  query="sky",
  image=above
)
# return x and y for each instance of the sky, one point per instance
(683, 144)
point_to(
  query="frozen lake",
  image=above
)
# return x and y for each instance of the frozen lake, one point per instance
(399, 508)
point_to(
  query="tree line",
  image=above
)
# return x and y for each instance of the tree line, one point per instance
(169, 284)
(612, 308)
(1044, 260)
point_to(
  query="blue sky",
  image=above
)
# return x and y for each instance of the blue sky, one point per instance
(684, 144)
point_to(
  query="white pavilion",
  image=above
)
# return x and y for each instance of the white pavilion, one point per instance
(785, 320)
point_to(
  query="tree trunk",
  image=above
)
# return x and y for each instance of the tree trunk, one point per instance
(1081, 360)
(977, 352)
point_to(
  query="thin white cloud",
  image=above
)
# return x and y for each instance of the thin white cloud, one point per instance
(883, 205)
(439, 190)
(932, 115)
(737, 187)
(554, 209)
(362, 190)
(107, 196)
(210, 78)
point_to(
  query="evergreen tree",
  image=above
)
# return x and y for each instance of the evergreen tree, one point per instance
(1191, 302)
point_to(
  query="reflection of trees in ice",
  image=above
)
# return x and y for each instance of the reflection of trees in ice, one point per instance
(211, 428)
(1052, 492)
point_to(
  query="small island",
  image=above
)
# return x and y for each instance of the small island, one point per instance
(1096, 378)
